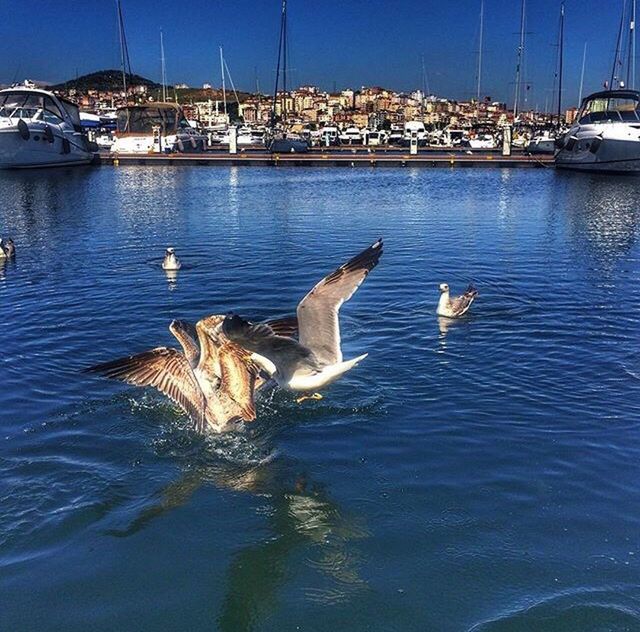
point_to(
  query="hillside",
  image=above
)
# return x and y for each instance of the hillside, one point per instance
(104, 80)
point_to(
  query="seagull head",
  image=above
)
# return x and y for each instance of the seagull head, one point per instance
(171, 251)
(444, 287)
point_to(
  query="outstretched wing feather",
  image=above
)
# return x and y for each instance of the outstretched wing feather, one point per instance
(318, 311)
(166, 370)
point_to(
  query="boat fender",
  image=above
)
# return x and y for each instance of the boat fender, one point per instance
(48, 134)
(66, 146)
(23, 129)
(180, 145)
(571, 143)
(595, 144)
(194, 144)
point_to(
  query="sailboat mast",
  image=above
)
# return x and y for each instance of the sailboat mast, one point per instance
(163, 68)
(560, 55)
(284, 60)
(631, 48)
(275, 91)
(520, 61)
(584, 59)
(480, 59)
(224, 88)
(123, 65)
(617, 53)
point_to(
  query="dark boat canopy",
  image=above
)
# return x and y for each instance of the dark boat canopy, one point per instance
(614, 94)
(141, 119)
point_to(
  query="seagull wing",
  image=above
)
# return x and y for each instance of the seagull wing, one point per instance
(238, 379)
(287, 326)
(187, 336)
(165, 369)
(259, 338)
(462, 303)
(318, 311)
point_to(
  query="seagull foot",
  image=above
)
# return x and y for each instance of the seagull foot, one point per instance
(305, 397)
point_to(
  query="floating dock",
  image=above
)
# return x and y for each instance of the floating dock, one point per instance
(333, 158)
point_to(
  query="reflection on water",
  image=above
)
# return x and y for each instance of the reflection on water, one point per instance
(301, 517)
(604, 218)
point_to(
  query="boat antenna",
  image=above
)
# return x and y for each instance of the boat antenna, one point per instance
(617, 53)
(480, 60)
(282, 28)
(520, 61)
(560, 57)
(224, 88)
(584, 59)
(163, 68)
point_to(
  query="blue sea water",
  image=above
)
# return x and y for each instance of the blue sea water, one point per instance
(481, 474)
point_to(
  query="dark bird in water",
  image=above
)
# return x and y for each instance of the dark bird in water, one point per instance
(7, 248)
(211, 379)
(315, 359)
(455, 307)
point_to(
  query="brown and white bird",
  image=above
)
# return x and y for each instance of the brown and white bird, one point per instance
(210, 379)
(457, 306)
(315, 359)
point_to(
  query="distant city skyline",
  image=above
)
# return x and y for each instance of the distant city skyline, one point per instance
(341, 44)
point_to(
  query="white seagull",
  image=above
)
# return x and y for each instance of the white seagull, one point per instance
(455, 307)
(171, 262)
(315, 359)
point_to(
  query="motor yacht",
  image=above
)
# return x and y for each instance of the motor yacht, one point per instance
(40, 129)
(605, 136)
(154, 128)
(351, 135)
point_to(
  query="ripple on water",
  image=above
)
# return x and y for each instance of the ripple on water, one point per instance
(579, 610)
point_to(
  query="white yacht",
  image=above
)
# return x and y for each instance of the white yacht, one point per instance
(329, 135)
(374, 137)
(605, 136)
(40, 129)
(156, 128)
(351, 136)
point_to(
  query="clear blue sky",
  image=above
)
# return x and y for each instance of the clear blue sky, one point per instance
(349, 42)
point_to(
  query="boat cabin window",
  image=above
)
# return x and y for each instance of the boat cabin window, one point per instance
(25, 105)
(609, 109)
(52, 113)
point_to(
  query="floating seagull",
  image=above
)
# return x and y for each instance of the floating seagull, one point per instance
(170, 261)
(7, 248)
(315, 360)
(455, 307)
(210, 379)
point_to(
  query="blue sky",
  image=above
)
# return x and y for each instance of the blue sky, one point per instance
(349, 42)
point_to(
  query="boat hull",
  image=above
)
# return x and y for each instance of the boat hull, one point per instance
(612, 156)
(36, 151)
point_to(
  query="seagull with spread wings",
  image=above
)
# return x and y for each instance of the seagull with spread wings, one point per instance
(210, 379)
(315, 359)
